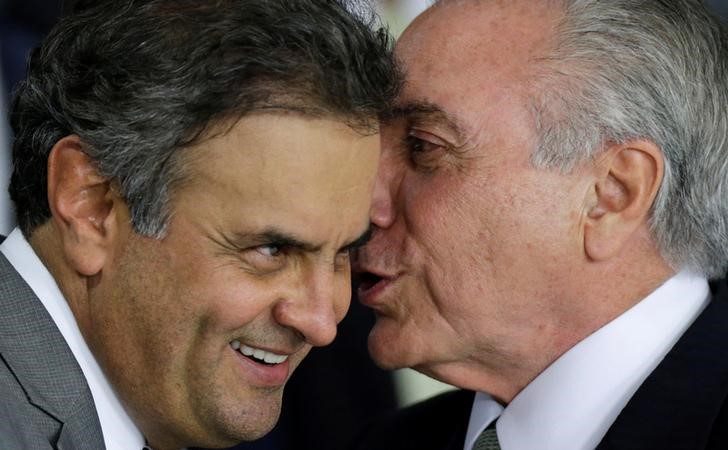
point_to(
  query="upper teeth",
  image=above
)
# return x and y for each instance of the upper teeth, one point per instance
(262, 355)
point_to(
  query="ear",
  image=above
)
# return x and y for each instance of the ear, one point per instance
(82, 203)
(628, 179)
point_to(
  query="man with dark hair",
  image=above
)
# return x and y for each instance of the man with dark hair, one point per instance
(551, 202)
(189, 178)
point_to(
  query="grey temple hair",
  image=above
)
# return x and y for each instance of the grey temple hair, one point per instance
(654, 70)
(645, 69)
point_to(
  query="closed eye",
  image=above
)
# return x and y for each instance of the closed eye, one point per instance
(424, 150)
(416, 145)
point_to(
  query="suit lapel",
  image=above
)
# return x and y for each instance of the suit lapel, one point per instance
(677, 405)
(462, 414)
(42, 362)
(446, 429)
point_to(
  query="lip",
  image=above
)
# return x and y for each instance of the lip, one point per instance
(373, 296)
(262, 375)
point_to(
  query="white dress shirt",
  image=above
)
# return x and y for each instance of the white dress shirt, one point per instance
(119, 431)
(572, 404)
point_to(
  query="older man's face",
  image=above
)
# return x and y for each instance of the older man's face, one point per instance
(471, 240)
(255, 261)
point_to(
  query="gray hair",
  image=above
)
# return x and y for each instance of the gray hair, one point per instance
(139, 81)
(654, 70)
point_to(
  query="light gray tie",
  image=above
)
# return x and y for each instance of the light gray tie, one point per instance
(488, 439)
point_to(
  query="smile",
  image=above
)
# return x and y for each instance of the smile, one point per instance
(258, 355)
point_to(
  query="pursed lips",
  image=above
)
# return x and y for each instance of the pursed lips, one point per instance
(370, 282)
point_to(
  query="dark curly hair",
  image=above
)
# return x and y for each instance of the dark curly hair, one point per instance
(139, 80)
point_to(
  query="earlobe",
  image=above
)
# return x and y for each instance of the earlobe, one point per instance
(82, 204)
(628, 179)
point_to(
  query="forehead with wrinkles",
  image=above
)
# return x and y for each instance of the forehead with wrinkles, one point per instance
(469, 37)
(467, 56)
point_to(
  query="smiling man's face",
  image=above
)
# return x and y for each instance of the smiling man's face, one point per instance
(199, 331)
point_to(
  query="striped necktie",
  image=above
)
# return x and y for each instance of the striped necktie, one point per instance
(488, 439)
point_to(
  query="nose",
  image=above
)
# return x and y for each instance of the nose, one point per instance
(316, 305)
(389, 176)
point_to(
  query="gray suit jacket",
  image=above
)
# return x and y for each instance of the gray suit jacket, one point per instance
(45, 402)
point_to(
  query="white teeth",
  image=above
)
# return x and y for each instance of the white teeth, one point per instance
(261, 355)
(270, 358)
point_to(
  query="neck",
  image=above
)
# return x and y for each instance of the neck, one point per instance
(47, 245)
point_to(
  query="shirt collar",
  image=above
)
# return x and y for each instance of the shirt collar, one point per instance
(575, 400)
(118, 429)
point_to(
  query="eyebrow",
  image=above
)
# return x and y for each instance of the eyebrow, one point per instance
(278, 237)
(425, 111)
(275, 236)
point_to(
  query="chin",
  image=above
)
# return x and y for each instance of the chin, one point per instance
(264, 423)
(230, 427)
(388, 349)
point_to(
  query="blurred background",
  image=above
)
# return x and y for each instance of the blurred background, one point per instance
(337, 389)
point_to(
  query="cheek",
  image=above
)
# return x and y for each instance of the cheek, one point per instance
(231, 302)
(459, 234)
(218, 292)
(444, 208)
(453, 239)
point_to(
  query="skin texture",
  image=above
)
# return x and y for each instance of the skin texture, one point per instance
(478, 249)
(257, 250)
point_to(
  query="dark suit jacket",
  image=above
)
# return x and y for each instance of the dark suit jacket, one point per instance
(45, 402)
(682, 405)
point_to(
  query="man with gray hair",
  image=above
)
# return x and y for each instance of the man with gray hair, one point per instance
(189, 178)
(551, 202)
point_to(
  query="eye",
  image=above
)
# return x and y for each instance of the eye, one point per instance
(342, 259)
(265, 258)
(269, 250)
(424, 149)
(417, 145)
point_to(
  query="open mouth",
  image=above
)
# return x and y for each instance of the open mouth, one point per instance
(367, 280)
(258, 355)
